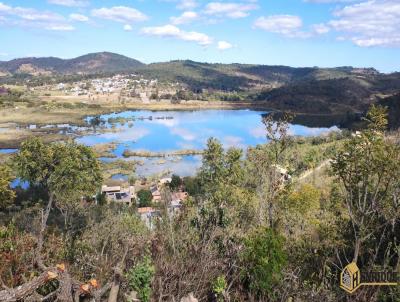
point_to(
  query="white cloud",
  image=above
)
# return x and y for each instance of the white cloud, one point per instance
(320, 29)
(229, 9)
(187, 4)
(184, 133)
(223, 45)
(78, 17)
(121, 14)
(330, 1)
(70, 3)
(35, 15)
(128, 27)
(369, 23)
(60, 27)
(233, 142)
(287, 25)
(171, 31)
(185, 18)
(5, 8)
(33, 18)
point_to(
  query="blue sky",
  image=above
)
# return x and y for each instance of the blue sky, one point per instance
(275, 32)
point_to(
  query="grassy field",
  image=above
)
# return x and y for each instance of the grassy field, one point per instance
(144, 153)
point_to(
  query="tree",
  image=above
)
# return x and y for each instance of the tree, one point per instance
(192, 185)
(176, 182)
(7, 195)
(368, 169)
(67, 172)
(264, 163)
(145, 198)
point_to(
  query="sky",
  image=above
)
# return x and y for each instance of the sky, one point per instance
(325, 33)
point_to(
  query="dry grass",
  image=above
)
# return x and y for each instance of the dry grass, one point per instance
(105, 150)
(12, 138)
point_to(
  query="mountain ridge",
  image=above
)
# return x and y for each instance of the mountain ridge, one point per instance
(305, 89)
(85, 64)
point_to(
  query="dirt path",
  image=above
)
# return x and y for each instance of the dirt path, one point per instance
(311, 171)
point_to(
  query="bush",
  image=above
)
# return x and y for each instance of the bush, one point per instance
(176, 182)
(145, 197)
(263, 260)
(140, 277)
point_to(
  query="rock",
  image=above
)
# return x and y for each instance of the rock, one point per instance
(132, 296)
(189, 298)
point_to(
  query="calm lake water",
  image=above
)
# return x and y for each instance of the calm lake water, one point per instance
(168, 131)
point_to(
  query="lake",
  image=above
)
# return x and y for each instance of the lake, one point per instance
(170, 131)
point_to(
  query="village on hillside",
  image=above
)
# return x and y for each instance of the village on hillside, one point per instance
(149, 198)
(120, 87)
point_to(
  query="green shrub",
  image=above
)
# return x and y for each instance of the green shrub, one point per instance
(145, 197)
(263, 260)
(140, 277)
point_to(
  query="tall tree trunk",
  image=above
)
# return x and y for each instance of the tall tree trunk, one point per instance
(27, 289)
(113, 297)
(43, 226)
(65, 288)
(118, 273)
(356, 249)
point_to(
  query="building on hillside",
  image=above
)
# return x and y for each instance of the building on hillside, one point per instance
(119, 194)
(282, 173)
(165, 180)
(174, 207)
(149, 216)
(156, 193)
(181, 196)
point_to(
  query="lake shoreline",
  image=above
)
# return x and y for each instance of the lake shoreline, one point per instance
(23, 117)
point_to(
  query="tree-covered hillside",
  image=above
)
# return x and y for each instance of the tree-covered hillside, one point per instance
(278, 222)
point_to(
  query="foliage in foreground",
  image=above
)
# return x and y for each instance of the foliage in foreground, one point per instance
(245, 234)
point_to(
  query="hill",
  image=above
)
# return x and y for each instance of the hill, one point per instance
(315, 90)
(393, 105)
(87, 64)
(237, 77)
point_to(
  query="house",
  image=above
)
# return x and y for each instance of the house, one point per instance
(174, 207)
(119, 194)
(180, 196)
(156, 193)
(282, 174)
(3, 90)
(165, 180)
(149, 216)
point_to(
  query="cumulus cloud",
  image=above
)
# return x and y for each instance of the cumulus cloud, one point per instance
(78, 17)
(60, 27)
(229, 9)
(5, 8)
(35, 15)
(287, 25)
(128, 27)
(187, 4)
(184, 133)
(223, 45)
(70, 3)
(121, 14)
(171, 31)
(29, 17)
(330, 1)
(186, 17)
(369, 23)
(320, 28)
